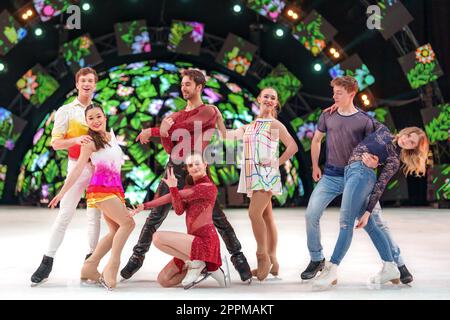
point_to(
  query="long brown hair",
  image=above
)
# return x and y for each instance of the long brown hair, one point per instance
(99, 139)
(414, 160)
(189, 180)
(278, 106)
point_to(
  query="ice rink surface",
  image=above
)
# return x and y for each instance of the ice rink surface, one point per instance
(423, 235)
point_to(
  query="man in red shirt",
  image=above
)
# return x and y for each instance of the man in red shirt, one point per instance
(180, 133)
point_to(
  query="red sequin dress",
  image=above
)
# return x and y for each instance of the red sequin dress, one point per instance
(203, 117)
(198, 202)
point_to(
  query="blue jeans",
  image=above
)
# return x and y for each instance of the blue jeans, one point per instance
(359, 183)
(328, 188)
(378, 219)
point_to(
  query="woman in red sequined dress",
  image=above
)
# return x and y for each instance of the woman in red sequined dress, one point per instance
(196, 253)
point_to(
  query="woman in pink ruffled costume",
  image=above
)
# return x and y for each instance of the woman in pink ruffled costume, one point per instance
(104, 192)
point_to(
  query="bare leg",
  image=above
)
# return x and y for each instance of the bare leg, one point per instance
(116, 211)
(176, 244)
(170, 275)
(259, 201)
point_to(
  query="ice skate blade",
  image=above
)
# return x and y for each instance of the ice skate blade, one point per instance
(307, 281)
(377, 286)
(37, 284)
(89, 283)
(273, 278)
(202, 277)
(103, 284)
(226, 271)
(324, 287)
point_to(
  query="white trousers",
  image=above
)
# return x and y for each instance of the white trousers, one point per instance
(67, 208)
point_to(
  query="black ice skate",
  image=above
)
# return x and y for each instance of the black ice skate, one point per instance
(42, 273)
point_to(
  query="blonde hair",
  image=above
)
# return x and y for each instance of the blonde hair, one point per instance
(414, 160)
(347, 82)
(278, 106)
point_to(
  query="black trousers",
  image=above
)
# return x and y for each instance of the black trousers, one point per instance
(157, 216)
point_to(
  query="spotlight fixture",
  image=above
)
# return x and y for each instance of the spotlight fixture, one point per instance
(86, 6)
(279, 32)
(38, 32)
(317, 67)
(3, 68)
(334, 52)
(367, 99)
(292, 13)
(237, 8)
(26, 13)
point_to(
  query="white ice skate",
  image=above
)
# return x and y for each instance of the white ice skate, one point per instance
(222, 277)
(196, 273)
(389, 272)
(326, 278)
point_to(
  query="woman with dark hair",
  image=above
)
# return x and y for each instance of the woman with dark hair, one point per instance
(105, 192)
(260, 174)
(197, 253)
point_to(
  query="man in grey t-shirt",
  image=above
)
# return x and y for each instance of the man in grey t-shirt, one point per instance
(344, 130)
(344, 133)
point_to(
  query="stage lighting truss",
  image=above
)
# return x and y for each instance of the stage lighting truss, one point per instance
(404, 41)
(106, 45)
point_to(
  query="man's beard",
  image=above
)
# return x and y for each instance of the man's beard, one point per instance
(188, 96)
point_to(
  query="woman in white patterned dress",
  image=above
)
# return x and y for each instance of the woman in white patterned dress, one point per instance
(260, 175)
